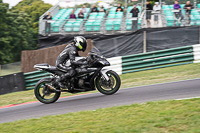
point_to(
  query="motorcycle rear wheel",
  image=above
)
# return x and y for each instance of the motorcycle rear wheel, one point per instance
(44, 93)
(111, 87)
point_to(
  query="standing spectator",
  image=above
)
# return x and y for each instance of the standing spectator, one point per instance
(47, 25)
(48, 16)
(102, 9)
(149, 8)
(81, 15)
(94, 9)
(156, 8)
(72, 15)
(119, 8)
(176, 5)
(84, 9)
(177, 15)
(188, 8)
(134, 12)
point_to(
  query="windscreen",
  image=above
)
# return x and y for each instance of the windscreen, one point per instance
(95, 51)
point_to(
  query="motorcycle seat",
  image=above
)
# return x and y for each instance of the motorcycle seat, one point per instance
(42, 65)
(52, 68)
(46, 66)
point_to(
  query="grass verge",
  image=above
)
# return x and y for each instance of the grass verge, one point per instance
(162, 75)
(152, 117)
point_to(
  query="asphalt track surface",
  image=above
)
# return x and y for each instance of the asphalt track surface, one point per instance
(93, 101)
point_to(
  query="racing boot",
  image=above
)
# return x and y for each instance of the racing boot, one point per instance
(59, 83)
(63, 77)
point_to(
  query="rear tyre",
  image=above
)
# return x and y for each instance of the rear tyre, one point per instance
(108, 87)
(44, 93)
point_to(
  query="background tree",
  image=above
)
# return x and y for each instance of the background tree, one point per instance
(88, 5)
(5, 48)
(19, 28)
(34, 8)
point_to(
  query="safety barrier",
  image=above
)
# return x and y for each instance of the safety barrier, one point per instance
(156, 59)
(31, 78)
(138, 62)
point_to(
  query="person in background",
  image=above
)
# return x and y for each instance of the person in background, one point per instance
(177, 15)
(176, 5)
(149, 8)
(72, 15)
(119, 8)
(188, 7)
(80, 14)
(84, 9)
(102, 9)
(156, 8)
(48, 16)
(47, 25)
(134, 12)
(94, 9)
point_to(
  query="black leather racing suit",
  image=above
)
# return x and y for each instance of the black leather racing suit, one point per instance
(69, 53)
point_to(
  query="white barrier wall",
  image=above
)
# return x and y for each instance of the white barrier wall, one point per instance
(115, 64)
(196, 53)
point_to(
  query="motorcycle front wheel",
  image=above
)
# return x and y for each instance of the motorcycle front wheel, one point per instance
(108, 87)
(44, 93)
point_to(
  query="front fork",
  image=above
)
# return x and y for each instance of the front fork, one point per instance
(103, 73)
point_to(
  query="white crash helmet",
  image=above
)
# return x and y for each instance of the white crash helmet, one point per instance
(80, 43)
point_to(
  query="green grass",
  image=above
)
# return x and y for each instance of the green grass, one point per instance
(22, 97)
(8, 72)
(176, 116)
(162, 75)
(11, 68)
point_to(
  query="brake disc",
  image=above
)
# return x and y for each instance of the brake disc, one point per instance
(46, 90)
(107, 84)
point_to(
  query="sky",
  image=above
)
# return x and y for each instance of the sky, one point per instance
(14, 2)
(53, 2)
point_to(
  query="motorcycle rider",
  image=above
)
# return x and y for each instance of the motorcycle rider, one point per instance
(69, 53)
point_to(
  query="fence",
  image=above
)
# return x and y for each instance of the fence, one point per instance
(122, 22)
(90, 26)
(138, 62)
(166, 18)
(173, 17)
(48, 55)
(53, 11)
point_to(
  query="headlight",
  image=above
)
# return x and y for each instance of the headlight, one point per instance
(106, 63)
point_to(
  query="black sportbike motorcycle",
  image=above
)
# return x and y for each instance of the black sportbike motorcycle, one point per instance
(87, 78)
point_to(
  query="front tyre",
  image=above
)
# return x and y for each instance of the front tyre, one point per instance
(44, 93)
(108, 87)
